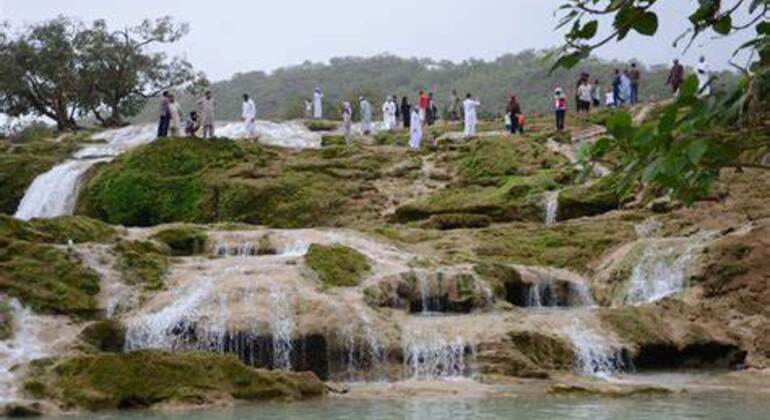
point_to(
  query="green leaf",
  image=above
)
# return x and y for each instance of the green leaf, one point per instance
(667, 121)
(618, 123)
(690, 87)
(724, 25)
(763, 28)
(696, 150)
(588, 30)
(646, 23)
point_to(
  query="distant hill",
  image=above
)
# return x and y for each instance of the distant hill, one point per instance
(280, 94)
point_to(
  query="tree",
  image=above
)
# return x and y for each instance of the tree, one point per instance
(40, 73)
(122, 74)
(63, 70)
(695, 137)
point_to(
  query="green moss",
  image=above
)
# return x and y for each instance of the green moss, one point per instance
(333, 140)
(601, 197)
(183, 241)
(143, 263)
(637, 325)
(316, 125)
(458, 221)
(337, 265)
(47, 279)
(108, 336)
(144, 379)
(59, 230)
(547, 352)
(488, 161)
(499, 277)
(392, 138)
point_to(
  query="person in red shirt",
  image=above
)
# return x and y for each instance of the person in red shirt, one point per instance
(424, 104)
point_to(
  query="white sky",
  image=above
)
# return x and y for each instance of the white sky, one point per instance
(230, 36)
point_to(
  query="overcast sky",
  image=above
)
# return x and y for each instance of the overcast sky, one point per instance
(230, 36)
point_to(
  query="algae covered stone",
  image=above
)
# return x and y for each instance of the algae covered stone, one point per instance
(60, 230)
(143, 263)
(337, 265)
(183, 241)
(144, 379)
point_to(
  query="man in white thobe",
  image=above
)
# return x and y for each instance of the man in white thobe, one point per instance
(249, 115)
(318, 97)
(415, 130)
(366, 116)
(469, 106)
(703, 69)
(389, 114)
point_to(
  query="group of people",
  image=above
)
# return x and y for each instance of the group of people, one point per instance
(171, 117)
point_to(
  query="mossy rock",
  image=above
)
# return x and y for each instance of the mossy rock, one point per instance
(107, 336)
(392, 138)
(458, 221)
(337, 265)
(321, 125)
(47, 279)
(637, 325)
(490, 160)
(546, 351)
(183, 241)
(148, 378)
(58, 230)
(143, 263)
(500, 277)
(582, 201)
(333, 140)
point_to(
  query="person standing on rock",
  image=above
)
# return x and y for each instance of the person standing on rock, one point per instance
(584, 98)
(366, 116)
(318, 97)
(176, 116)
(406, 112)
(560, 108)
(415, 130)
(454, 110)
(389, 114)
(347, 122)
(469, 107)
(635, 76)
(513, 111)
(596, 94)
(675, 77)
(249, 115)
(616, 89)
(207, 107)
(165, 115)
(424, 104)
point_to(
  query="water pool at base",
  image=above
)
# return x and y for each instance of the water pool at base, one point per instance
(702, 406)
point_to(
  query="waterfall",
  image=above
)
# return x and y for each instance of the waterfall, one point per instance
(431, 351)
(290, 134)
(23, 347)
(551, 204)
(295, 249)
(282, 326)
(55, 192)
(595, 354)
(662, 269)
(541, 294)
(423, 283)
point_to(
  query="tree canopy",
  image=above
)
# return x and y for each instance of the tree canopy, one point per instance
(63, 70)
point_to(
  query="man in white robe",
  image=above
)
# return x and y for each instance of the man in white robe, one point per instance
(249, 115)
(207, 113)
(318, 104)
(415, 131)
(703, 69)
(469, 106)
(366, 116)
(347, 121)
(389, 114)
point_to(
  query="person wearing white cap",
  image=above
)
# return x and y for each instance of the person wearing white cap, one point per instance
(249, 115)
(703, 69)
(389, 114)
(318, 97)
(469, 106)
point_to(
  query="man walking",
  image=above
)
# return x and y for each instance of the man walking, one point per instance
(675, 77)
(165, 115)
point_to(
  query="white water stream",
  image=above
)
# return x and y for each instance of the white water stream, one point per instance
(551, 204)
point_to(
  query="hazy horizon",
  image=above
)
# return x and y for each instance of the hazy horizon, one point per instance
(235, 38)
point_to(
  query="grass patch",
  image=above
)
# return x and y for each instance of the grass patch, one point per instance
(143, 263)
(337, 265)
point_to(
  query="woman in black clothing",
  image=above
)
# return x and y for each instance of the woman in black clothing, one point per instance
(406, 112)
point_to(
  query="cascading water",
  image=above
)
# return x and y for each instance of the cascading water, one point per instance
(541, 294)
(282, 326)
(551, 205)
(595, 354)
(662, 269)
(433, 351)
(295, 249)
(55, 192)
(290, 134)
(23, 347)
